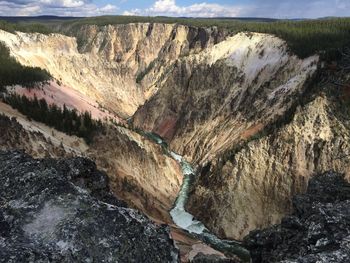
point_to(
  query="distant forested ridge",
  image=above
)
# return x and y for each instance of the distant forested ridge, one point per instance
(27, 27)
(68, 121)
(13, 73)
(304, 37)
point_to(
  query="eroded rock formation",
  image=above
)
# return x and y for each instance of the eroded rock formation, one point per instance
(207, 94)
(140, 173)
(14, 136)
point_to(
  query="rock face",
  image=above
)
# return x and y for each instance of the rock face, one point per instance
(36, 139)
(212, 100)
(253, 187)
(14, 136)
(139, 171)
(115, 65)
(62, 211)
(215, 100)
(318, 230)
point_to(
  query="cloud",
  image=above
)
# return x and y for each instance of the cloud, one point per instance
(27, 11)
(255, 8)
(170, 8)
(133, 12)
(108, 8)
(54, 7)
(63, 3)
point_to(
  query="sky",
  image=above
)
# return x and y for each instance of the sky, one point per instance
(189, 8)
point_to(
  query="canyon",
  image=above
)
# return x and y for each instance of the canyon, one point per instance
(108, 60)
(255, 121)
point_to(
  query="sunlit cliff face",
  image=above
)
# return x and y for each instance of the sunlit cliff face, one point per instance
(115, 65)
(212, 100)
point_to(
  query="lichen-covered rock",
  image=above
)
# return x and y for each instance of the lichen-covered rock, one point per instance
(201, 258)
(318, 230)
(63, 211)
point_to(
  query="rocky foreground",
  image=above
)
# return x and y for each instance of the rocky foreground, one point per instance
(318, 230)
(62, 211)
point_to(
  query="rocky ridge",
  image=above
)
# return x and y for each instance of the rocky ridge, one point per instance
(205, 96)
(63, 211)
(36, 139)
(14, 136)
(317, 231)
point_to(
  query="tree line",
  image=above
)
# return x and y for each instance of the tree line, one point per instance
(304, 37)
(63, 119)
(13, 73)
(25, 27)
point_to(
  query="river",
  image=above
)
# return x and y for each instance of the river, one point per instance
(185, 220)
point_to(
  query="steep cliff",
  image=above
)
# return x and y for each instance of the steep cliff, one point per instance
(214, 99)
(253, 188)
(14, 136)
(36, 139)
(139, 171)
(115, 65)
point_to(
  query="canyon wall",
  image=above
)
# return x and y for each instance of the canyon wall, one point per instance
(253, 187)
(139, 171)
(207, 94)
(34, 138)
(114, 65)
(118, 66)
(212, 100)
